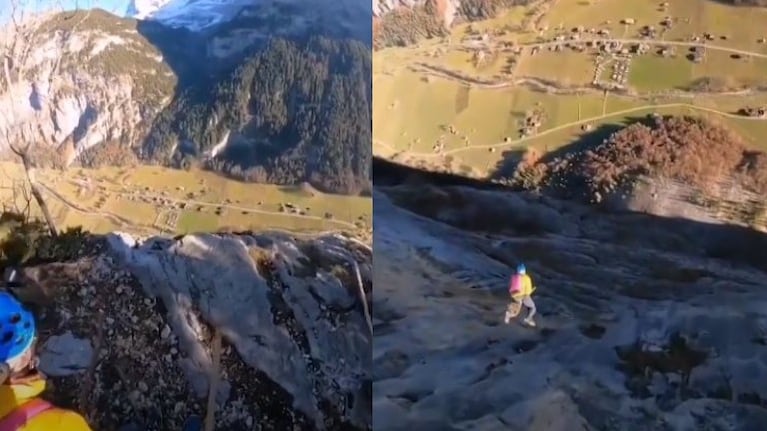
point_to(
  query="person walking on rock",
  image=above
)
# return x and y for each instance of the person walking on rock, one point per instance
(521, 290)
(21, 408)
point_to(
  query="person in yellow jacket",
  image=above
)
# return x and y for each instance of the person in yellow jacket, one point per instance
(521, 290)
(21, 407)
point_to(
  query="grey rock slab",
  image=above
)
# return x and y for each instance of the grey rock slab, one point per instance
(294, 320)
(65, 354)
(442, 352)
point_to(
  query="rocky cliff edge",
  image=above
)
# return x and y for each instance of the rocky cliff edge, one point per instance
(126, 331)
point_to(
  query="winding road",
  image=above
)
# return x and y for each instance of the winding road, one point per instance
(119, 220)
(446, 74)
(565, 126)
(122, 220)
(542, 85)
(650, 42)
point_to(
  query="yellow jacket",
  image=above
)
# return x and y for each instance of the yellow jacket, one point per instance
(527, 287)
(55, 419)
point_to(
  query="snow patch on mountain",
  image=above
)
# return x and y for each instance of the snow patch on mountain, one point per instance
(196, 15)
(143, 9)
(351, 17)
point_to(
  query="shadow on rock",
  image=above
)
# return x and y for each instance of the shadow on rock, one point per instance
(475, 205)
(639, 362)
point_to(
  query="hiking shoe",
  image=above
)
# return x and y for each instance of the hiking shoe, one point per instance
(193, 423)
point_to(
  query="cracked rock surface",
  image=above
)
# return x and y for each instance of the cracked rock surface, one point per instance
(644, 323)
(295, 345)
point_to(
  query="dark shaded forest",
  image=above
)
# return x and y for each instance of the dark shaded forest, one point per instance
(288, 114)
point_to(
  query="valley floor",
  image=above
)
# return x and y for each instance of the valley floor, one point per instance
(149, 200)
(576, 72)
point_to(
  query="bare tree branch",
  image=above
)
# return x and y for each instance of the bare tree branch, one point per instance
(363, 296)
(19, 190)
(18, 45)
(29, 171)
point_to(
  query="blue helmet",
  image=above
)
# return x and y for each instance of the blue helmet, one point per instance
(17, 328)
(521, 268)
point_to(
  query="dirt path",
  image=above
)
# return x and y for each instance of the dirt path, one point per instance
(118, 220)
(238, 208)
(654, 42)
(567, 125)
(538, 84)
(124, 221)
(534, 21)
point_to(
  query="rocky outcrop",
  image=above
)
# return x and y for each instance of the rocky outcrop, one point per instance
(644, 322)
(92, 79)
(296, 347)
(725, 201)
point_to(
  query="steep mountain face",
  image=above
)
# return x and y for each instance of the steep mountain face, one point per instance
(643, 322)
(128, 328)
(92, 80)
(130, 89)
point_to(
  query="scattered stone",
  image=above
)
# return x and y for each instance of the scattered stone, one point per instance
(165, 333)
(64, 355)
